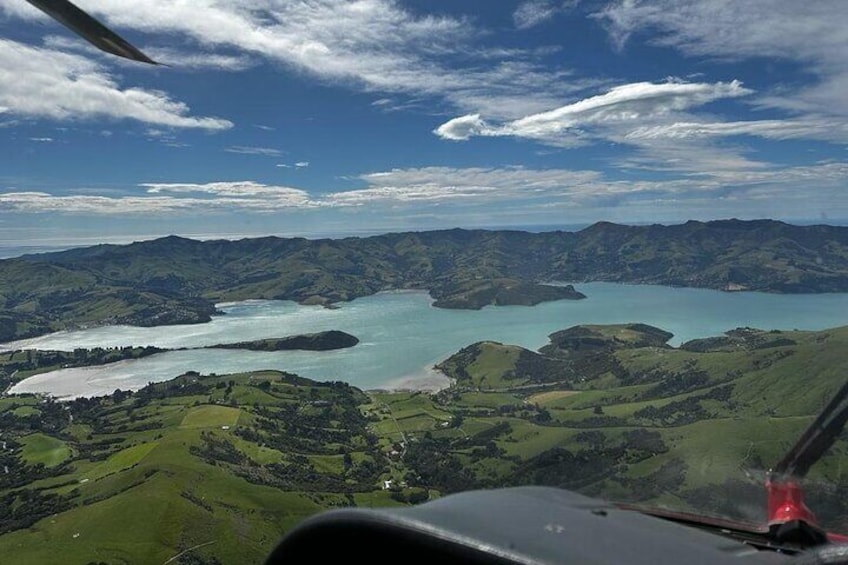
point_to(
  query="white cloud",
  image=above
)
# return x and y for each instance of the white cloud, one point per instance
(425, 189)
(249, 150)
(516, 177)
(41, 139)
(465, 127)
(528, 189)
(22, 10)
(625, 106)
(374, 45)
(798, 178)
(695, 157)
(165, 198)
(813, 33)
(236, 189)
(532, 13)
(428, 186)
(184, 59)
(45, 83)
(809, 127)
(627, 103)
(521, 187)
(197, 61)
(40, 202)
(659, 122)
(301, 164)
(775, 28)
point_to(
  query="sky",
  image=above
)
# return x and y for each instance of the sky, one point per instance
(337, 117)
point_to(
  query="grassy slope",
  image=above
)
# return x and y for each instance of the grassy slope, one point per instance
(46, 450)
(147, 495)
(770, 396)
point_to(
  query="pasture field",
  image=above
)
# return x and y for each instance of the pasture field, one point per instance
(227, 464)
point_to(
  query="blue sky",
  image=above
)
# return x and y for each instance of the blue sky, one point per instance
(342, 116)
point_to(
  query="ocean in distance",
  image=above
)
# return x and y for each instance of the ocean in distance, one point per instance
(402, 335)
(42, 240)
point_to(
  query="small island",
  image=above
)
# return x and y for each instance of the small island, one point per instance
(173, 280)
(475, 294)
(320, 341)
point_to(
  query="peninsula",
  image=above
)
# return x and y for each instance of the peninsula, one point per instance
(321, 341)
(173, 280)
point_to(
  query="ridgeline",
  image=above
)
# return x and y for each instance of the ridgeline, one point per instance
(177, 281)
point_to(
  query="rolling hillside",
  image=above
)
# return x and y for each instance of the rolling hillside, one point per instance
(215, 468)
(175, 280)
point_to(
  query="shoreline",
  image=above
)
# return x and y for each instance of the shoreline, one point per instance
(428, 379)
(392, 368)
(21, 343)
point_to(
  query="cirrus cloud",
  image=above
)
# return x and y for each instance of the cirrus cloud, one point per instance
(371, 45)
(251, 150)
(812, 33)
(532, 13)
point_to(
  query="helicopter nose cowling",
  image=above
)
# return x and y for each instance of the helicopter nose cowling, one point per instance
(786, 503)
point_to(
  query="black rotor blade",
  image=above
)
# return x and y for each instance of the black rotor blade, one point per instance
(818, 438)
(90, 29)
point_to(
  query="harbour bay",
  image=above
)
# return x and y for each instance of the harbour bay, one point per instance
(402, 335)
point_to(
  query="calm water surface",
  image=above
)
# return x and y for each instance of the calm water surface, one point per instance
(402, 335)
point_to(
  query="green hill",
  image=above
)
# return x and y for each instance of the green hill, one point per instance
(215, 468)
(174, 280)
(228, 463)
(614, 412)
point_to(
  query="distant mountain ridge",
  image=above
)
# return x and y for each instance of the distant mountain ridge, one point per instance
(177, 280)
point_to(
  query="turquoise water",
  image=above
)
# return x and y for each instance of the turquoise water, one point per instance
(402, 335)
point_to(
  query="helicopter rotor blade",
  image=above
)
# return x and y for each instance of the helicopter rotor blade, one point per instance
(90, 29)
(817, 439)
